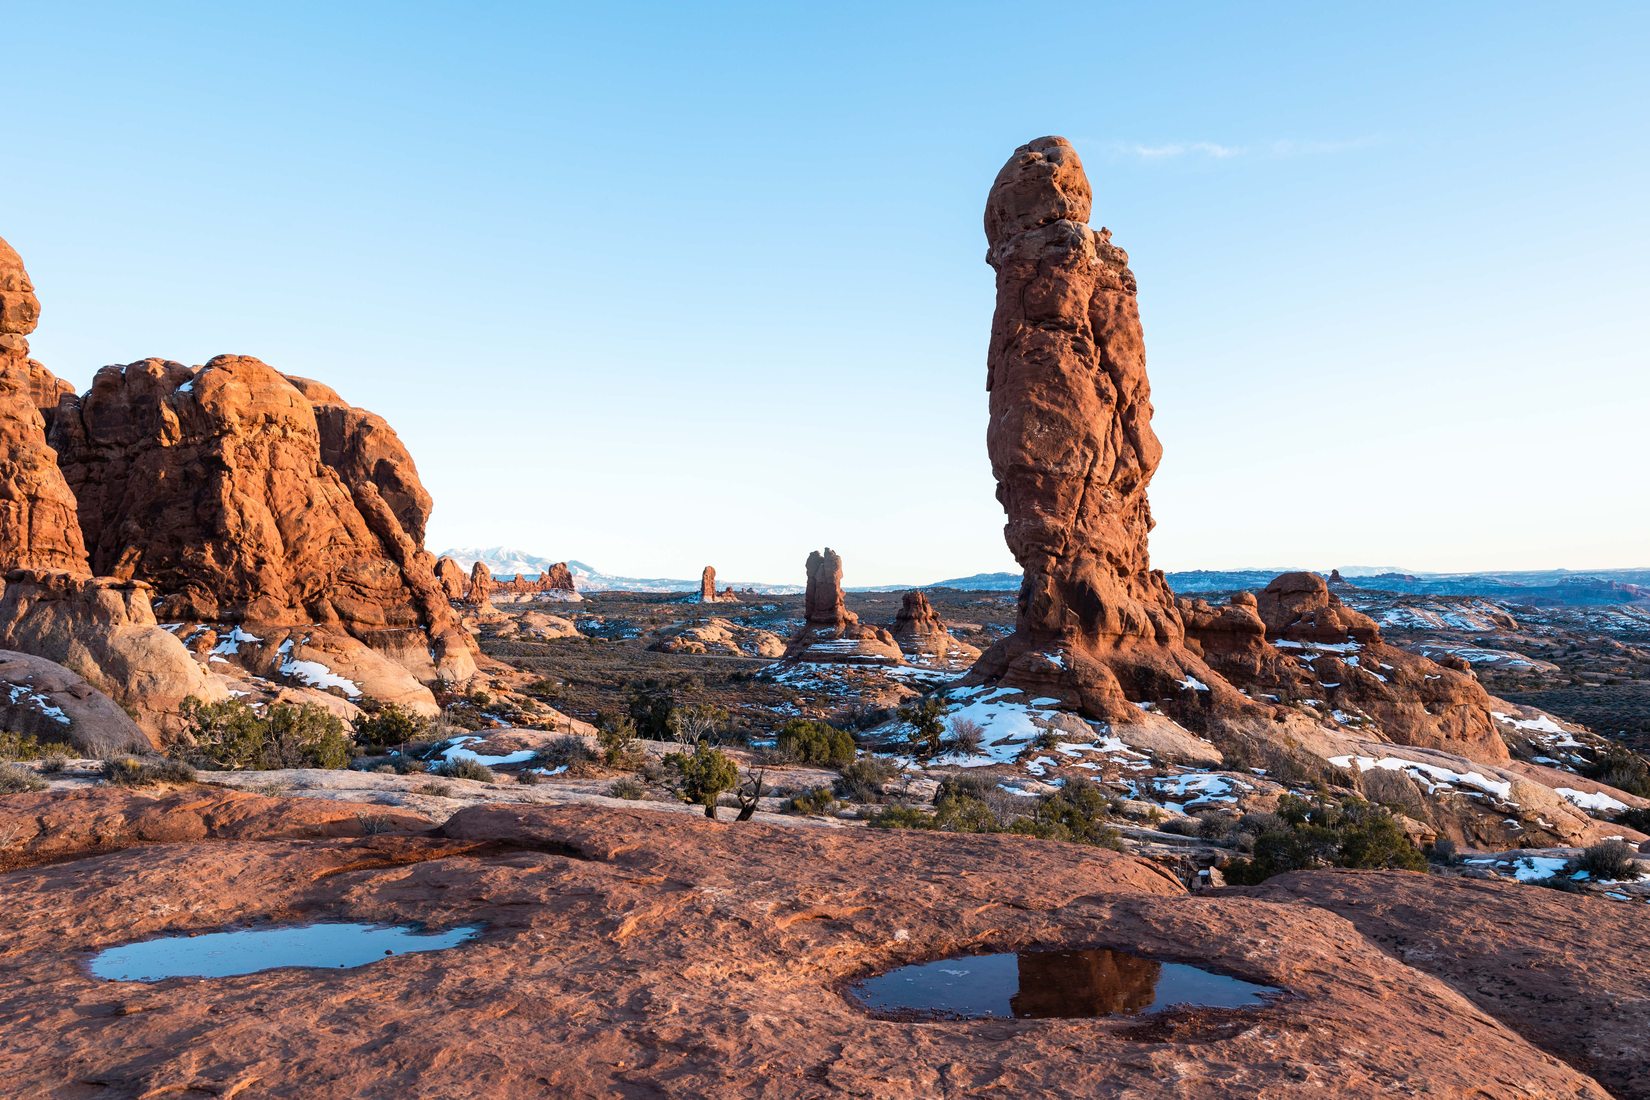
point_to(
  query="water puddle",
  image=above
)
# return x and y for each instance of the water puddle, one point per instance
(247, 951)
(1037, 985)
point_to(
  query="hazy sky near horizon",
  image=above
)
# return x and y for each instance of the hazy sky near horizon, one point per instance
(657, 285)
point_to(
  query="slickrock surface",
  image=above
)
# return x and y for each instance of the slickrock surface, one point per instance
(104, 630)
(212, 485)
(629, 953)
(830, 632)
(37, 510)
(1564, 971)
(921, 634)
(1072, 448)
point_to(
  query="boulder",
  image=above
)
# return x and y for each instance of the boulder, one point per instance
(481, 585)
(52, 703)
(451, 577)
(104, 630)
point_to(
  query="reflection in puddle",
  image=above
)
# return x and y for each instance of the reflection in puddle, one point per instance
(1050, 984)
(224, 954)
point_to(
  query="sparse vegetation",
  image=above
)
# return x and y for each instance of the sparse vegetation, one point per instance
(703, 776)
(390, 726)
(927, 721)
(862, 781)
(132, 771)
(230, 735)
(1324, 832)
(16, 780)
(463, 767)
(1606, 861)
(568, 751)
(966, 735)
(628, 787)
(26, 746)
(1076, 813)
(820, 800)
(1622, 768)
(808, 741)
(616, 736)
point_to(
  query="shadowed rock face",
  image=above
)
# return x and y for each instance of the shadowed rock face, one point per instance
(37, 510)
(1072, 446)
(823, 603)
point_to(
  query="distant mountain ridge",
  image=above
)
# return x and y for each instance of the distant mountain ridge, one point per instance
(1556, 587)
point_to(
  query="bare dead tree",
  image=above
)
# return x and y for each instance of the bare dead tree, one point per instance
(750, 793)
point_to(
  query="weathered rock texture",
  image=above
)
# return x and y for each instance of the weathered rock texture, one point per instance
(1072, 448)
(591, 972)
(481, 585)
(43, 699)
(37, 510)
(451, 577)
(104, 630)
(830, 632)
(1297, 640)
(554, 583)
(921, 634)
(240, 498)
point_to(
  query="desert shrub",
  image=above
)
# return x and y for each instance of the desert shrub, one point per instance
(568, 751)
(1635, 818)
(628, 787)
(965, 785)
(16, 780)
(616, 737)
(464, 767)
(53, 763)
(860, 715)
(26, 746)
(692, 723)
(862, 780)
(440, 790)
(814, 742)
(926, 718)
(131, 771)
(230, 735)
(703, 776)
(652, 707)
(1182, 826)
(1323, 832)
(1077, 812)
(390, 726)
(901, 817)
(966, 735)
(1606, 861)
(306, 736)
(1621, 768)
(1444, 851)
(817, 801)
(962, 813)
(1215, 825)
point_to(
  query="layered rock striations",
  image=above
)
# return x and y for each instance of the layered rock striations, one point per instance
(1072, 449)
(830, 632)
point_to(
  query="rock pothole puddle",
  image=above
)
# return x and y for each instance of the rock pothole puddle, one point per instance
(248, 951)
(1039, 985)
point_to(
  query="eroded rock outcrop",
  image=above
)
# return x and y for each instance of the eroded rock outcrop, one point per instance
(104, 630)
(451, 577)
(553, 583)
(830, 632)
(37, 509)
(481, 585)
(44, 700)
(1072, 448)
(215, 486)
(921, 634)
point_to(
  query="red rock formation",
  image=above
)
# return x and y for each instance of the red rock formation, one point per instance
(451, 577)
(707, 585)
(558, 578)
(481, 585)
(555, 581)
(37, 511)
(1072, 448)
(920, 632)
(830, 632)
(214, 485)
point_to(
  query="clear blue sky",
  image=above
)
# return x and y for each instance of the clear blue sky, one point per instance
(659, 285)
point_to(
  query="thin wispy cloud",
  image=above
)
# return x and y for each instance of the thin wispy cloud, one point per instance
(1279, 149)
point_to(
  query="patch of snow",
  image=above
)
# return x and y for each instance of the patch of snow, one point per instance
(1429, 776)
(1591, 801)
(317, 675)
